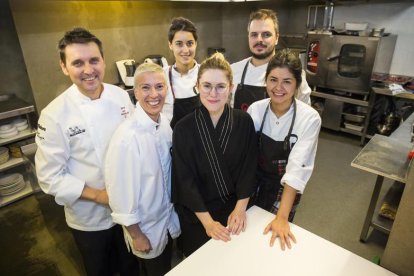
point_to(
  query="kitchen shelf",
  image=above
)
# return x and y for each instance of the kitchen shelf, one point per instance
(380, 223)
(10, 110)
(27, 133)
(336, 111)
(339, 98)
(14, 107)
(12, 162)
(27, 190)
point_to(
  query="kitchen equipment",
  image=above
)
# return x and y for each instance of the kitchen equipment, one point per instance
(158, 59)
(126, 69)
(356, 26)
(378, 32)
(345, 63)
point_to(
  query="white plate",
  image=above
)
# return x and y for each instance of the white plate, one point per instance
(9, 135)
(22, 127)
(4, 129)
(19, 122)
(10, 179)
(16, 189)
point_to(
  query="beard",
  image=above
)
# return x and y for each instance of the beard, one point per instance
(264, 55)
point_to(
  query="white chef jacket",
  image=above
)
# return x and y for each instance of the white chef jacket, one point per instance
(72, 137)
(183, 87)
(255, 76)
(138, 179)
(307, 126)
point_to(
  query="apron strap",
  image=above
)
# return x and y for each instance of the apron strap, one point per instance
(286, 142)
(244, 72)
(170, 77)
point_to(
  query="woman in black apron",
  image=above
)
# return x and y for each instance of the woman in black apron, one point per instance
(288, 130)
(246, 94)
(182, 37)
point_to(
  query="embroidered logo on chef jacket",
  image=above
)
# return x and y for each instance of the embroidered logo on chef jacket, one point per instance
(40, 129)
(75, 131)
(124, 111)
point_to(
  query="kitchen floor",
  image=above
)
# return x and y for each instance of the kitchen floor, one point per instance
(34, 238)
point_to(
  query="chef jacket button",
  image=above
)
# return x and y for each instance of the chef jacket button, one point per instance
(277, 122)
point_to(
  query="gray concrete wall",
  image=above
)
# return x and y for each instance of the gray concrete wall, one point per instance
(13, 76)
(135, 29)
(128, 29)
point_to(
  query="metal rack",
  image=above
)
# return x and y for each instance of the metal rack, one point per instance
(10, 109)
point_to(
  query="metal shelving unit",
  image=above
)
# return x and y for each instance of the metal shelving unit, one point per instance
(333, 113)
(10, 109)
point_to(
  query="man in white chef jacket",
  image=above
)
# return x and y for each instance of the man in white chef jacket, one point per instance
(73, 133)
(263, 36)
(138, 174)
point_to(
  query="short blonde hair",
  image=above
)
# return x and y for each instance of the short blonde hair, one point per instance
(216, 61)
(148, 67)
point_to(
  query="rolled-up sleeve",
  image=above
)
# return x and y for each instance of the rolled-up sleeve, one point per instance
(122, 181)
(302, 157)
(51, 158)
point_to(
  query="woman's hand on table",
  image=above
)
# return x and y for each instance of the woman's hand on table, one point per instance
(237, 220)
(280, 229)
(217, 231)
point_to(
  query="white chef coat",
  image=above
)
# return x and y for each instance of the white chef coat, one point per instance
(72, 137)
(307, 126)
(138, 179)
(183, 87)
(255, 76)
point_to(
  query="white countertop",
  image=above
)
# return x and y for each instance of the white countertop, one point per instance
(250, 254)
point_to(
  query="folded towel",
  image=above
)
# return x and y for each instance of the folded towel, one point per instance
(391, 200)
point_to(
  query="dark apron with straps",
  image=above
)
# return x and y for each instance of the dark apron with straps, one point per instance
(246, 94)
(182, 106)
(273, 158)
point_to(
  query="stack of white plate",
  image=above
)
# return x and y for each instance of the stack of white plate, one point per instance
(11, 184)
(20, 124)
(8, 131)
(4, 155)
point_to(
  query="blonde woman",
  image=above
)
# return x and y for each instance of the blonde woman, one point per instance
(214, 162)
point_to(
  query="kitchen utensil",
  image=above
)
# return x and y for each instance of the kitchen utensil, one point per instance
(356, 26)
(158, 59)
(126, 69)
(356, 118)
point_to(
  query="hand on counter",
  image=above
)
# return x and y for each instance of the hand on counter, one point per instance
(213, 228)
(280, 228)
(237, 220)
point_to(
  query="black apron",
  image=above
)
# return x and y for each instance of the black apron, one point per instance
(182, 106)
(246, 94)
(273, 158)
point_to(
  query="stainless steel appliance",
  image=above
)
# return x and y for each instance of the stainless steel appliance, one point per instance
(345, 63)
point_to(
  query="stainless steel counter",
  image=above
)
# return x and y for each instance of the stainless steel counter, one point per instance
(385, 157)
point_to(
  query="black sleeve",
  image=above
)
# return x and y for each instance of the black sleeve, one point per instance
(246, 182)
(184, 177)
